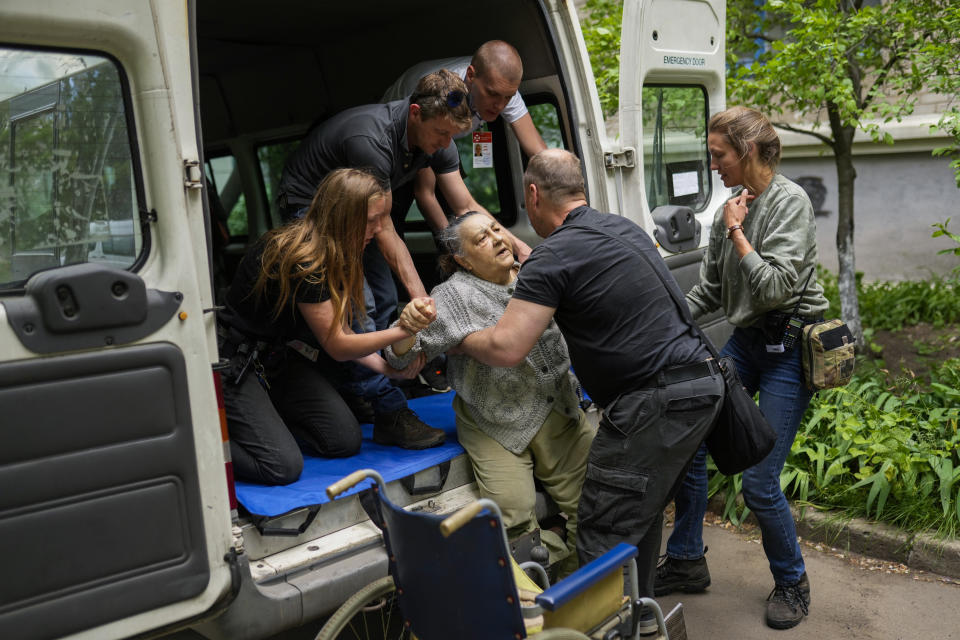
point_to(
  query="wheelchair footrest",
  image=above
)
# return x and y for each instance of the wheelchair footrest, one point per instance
(676, 626)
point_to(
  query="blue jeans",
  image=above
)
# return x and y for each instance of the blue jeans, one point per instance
(380, 280)
(363, 382)
(783, 399)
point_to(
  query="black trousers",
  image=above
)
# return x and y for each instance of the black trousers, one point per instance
(646, 440)
(301, 409)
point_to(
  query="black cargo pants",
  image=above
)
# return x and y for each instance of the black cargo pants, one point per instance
(646, 440)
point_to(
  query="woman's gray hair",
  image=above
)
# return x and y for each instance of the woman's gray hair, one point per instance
(451, 244)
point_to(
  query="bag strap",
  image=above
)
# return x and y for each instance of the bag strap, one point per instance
(803, 290)
(672, 288)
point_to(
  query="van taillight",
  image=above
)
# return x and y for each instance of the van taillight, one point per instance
(228, 462)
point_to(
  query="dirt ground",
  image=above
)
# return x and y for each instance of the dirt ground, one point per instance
(917, 348)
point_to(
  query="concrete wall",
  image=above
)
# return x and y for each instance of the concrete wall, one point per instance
(897, 196)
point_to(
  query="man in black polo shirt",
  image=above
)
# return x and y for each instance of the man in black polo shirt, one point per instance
(393, 141)
(602, 279)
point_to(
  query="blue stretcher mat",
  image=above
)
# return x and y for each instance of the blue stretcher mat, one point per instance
(393, 463)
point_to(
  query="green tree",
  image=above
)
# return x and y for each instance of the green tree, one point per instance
(854, 63)
(600, 22)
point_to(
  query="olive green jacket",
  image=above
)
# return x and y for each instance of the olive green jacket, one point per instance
(781, 229)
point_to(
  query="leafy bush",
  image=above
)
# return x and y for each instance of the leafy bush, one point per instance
(890, 453)
(893, 305)
(877, 448)
(887, 453)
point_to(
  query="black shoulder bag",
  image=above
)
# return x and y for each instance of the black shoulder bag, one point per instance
(741, 437)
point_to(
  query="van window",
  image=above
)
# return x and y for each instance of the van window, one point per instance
(675, 161)
(547, 120)
(68, 188)
(482, 182)
(225, 177)
(272, 158)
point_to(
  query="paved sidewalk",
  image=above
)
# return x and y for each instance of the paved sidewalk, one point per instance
(853, 596)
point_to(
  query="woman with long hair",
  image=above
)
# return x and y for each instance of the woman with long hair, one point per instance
(759, 267)
(286, 323)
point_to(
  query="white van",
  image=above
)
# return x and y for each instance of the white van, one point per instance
(123, 125)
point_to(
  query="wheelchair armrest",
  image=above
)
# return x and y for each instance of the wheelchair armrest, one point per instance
(584, 577)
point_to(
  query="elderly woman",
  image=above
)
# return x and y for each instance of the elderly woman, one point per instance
(758, 270)
(516, 423)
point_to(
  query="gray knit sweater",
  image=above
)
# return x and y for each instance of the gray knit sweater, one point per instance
(509, 404)
(780, 228)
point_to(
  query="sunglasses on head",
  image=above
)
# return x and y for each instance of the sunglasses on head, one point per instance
(453, 99)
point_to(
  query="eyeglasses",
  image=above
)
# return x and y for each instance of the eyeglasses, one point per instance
(453, 99)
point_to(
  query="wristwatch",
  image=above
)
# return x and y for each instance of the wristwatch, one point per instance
(730, 230)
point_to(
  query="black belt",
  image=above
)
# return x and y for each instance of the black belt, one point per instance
(780, 317)
(673, 375)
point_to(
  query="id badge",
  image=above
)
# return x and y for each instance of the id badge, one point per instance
(775, 348)
(482, 149)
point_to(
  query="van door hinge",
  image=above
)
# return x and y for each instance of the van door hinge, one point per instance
(193, 176)
(626, 158)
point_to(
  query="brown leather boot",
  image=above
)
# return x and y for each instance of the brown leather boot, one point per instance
(404, 429)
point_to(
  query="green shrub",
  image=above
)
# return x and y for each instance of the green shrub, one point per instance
(889, 453)
(893, 305)
(875, 448)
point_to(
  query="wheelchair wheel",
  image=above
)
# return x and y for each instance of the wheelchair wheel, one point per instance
(369, 614)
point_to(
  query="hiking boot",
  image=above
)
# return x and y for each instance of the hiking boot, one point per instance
(404, 429)
(689, 576)
(786, 606)
(434, 375)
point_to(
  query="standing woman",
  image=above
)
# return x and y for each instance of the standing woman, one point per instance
(758, 268)
(299, 286)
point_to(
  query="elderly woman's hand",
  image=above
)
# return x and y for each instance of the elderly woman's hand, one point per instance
(410, 371)
(418, 314)
(735, 210)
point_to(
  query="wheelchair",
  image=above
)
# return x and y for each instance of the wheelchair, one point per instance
(453, 578)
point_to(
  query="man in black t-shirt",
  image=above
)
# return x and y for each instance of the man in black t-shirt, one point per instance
(602, 279)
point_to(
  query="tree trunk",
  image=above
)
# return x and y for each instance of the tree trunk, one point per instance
(846, 175)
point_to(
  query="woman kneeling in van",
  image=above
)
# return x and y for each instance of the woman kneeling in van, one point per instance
(516, 423)
(300, 285)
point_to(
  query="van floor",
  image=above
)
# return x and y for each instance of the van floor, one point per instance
(392, 463)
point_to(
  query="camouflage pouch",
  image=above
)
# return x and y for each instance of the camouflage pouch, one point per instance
(828, 354)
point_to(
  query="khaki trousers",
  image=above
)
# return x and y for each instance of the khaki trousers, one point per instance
(557, 457)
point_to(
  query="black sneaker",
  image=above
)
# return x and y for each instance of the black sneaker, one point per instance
(434, 375)
(786, 606)
(647, 623)
(689, 576)
(404, 429)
